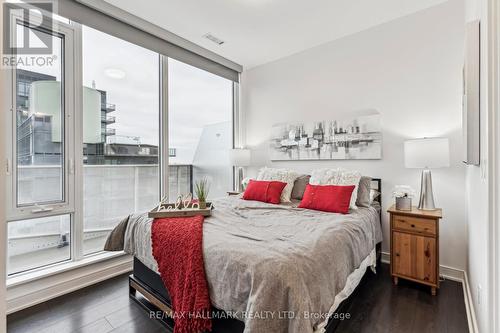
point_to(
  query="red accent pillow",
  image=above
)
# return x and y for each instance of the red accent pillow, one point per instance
(327, 198)
(263, 190)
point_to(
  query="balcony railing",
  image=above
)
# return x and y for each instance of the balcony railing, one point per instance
(110, 193)
(110, 131)
(108, 120)
(109, 107)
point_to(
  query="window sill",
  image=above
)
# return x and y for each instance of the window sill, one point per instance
(22, 278)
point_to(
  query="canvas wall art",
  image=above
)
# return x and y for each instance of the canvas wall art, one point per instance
(353, 138)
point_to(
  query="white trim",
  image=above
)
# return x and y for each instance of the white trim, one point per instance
(493, 79)
(141, 24)
(58, 268)
(164, 155)
(469, 305)
(237, 126)
(451, 273)
(3, 161)
(24, 295)
(77, 190)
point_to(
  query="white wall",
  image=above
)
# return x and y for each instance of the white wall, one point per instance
(477, 186)
(410, 70)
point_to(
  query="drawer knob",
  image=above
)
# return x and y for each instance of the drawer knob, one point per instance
(397, 254)
(413, 226)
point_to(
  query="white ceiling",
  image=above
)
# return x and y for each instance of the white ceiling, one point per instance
(259, 31)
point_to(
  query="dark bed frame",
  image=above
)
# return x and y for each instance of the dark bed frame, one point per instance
(148, 290)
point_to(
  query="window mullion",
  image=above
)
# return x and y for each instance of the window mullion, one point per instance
(77, 221)
(164, 126)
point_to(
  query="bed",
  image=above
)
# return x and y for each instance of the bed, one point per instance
(269, 268)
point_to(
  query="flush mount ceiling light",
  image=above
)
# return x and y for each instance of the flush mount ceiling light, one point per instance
(214, 39)
(114, 73)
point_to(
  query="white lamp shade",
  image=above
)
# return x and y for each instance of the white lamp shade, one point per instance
(427, 153)
(240, 157)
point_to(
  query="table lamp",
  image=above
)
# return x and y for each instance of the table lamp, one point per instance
(426, 154)
(240, 158)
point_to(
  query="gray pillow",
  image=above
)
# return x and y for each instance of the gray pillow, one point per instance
(299, 187)
(116, 239)
(365, 184)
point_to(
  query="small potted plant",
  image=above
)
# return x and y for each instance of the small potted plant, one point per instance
(403, 195)
(201, 189)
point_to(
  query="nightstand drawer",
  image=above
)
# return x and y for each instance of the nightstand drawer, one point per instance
(415, 224)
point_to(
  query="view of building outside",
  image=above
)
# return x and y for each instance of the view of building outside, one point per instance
(121, 172)
(200, 127)
(121, 133)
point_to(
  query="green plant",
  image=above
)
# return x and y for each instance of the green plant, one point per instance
(202, 187)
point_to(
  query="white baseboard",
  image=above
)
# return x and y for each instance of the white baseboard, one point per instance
(458, 275)
(469, 306)
(24, 295)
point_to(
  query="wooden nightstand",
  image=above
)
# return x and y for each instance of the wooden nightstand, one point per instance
(415, 246)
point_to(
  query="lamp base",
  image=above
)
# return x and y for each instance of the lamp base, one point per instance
(426, 201)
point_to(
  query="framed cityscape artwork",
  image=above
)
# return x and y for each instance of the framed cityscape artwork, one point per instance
(353, 138)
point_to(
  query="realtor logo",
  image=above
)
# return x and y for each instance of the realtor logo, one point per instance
(25, 28)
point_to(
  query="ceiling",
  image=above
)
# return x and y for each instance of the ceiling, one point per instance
(259, 31)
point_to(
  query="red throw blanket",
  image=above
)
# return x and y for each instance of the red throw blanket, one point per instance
(177, 248)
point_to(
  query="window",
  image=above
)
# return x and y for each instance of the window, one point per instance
(200, 129)
(121, 110)
(112, 123)
(38, 242)
(41, 203)
(40, 128)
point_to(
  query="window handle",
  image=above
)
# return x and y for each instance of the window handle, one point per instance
(8, 167)
(42, 209)
(71, 166)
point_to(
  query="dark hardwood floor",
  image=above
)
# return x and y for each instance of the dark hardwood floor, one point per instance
(378, 306)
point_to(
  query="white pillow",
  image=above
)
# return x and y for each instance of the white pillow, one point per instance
(338, 176)
(244, 182)
(282, 175)
(324, 176)
(373, 195)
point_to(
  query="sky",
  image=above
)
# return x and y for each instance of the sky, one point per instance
(196, 97)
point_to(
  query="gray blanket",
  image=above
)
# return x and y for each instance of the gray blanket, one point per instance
(276, 267)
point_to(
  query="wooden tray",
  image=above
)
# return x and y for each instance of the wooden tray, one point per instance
(163, 212)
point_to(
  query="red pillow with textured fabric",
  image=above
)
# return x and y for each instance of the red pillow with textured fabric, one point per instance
(265, 191)
(327, 198)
